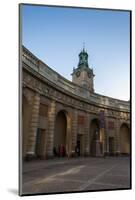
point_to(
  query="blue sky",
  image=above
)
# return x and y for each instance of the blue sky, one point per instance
(56, 36)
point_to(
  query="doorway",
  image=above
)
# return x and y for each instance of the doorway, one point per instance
(40, 143)
(80, 144)
(111, 146)
(60, 134)
(95, 144)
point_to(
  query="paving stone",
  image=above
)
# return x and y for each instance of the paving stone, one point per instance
(76, 174)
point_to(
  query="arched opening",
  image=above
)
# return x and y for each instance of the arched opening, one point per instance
(124, 139)
(95, 144)
(60, 134)
(26, 111)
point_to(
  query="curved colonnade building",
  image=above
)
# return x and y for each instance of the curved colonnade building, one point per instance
(56, 111)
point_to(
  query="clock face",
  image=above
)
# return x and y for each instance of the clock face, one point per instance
(78, 74)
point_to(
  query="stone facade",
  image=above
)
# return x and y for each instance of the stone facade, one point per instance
(46, 93)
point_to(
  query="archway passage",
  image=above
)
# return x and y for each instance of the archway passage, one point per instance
(60, 134)
(95, 144)
(124, 139)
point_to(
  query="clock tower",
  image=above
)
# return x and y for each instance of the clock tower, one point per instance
(83, 75)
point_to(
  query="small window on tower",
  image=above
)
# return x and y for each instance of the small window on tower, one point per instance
(89, 74)
(78, 74)
(85, 85)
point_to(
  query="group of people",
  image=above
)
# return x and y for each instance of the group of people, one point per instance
(59, 151)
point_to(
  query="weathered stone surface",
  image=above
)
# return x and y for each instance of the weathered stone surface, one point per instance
(33, 126)
(59, 94)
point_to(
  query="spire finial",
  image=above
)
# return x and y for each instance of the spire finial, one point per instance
(83, 46)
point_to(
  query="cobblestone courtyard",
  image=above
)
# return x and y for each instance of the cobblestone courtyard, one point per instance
(78, 174)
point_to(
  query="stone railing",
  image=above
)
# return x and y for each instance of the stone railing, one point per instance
(111, 102)
(30, 60)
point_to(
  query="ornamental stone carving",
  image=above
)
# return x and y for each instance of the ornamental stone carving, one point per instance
(62, 95)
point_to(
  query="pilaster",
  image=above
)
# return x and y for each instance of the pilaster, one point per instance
(51, 125)
(106, 138)
(102, 139)
(33, 127)
(117, 138)
(74, 131)
(86, 136)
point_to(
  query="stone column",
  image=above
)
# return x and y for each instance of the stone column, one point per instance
(51, 125)
(102, 140)
(106, 148)
(117, 138)
(33, 127)
(90, 134)
(106, 133)
(86, 136)
(74, 131)
(104, 137)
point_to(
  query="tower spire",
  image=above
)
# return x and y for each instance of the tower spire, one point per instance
(83, 46)
(83, 58)
(83, 75)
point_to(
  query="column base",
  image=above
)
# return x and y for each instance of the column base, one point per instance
(97, 149)
(30, 156)
(117, 153)
(86, 154)
(72, 154)
(50, 156)
(106, 153)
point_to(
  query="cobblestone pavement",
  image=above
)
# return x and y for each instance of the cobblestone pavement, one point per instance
(78, 174)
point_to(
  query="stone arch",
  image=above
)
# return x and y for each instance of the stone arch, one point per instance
(62, 132)
(26, 113)
(94, 138)
(124, 139)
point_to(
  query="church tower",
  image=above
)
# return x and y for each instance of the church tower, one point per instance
(83, 75)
